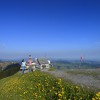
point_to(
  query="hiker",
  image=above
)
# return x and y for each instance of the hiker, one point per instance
(30, 61)
(23, 65)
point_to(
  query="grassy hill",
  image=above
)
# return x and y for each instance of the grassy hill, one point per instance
(9, 70)
(41, 86)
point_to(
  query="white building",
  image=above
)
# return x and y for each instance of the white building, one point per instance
(43, 63)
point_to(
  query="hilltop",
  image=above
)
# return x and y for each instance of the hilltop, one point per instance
(41, 86)
(52, 84)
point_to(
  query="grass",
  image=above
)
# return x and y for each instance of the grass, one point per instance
(52, 69)
(41, 86)
(93, 73)
(12, 69)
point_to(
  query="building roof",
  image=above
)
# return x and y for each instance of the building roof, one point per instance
(42, 61)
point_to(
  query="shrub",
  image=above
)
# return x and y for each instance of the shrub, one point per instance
(52, 69)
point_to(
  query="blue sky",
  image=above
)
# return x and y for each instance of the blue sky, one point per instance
(50, 28)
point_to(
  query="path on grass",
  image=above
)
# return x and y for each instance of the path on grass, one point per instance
(83, 80)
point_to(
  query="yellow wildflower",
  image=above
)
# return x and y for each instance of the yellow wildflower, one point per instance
(59, 95)
(93, 98)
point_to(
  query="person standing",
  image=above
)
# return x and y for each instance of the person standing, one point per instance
(30, 61)
(23, 65)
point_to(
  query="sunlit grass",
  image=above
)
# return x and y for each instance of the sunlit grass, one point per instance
(41, 86)
(52, 69)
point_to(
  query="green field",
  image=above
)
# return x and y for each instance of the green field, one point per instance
(41, 86)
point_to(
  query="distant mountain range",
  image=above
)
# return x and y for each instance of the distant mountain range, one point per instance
(0, 60)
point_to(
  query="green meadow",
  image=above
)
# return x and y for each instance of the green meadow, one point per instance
(42, 86)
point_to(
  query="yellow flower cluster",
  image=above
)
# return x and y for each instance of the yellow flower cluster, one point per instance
(41, 86)
(97, 96)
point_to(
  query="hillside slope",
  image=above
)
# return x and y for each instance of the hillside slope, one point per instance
(9, 70)
(85, 77)
(40, 86)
